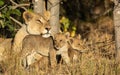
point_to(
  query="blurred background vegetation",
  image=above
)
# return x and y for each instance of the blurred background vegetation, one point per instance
(76, 16)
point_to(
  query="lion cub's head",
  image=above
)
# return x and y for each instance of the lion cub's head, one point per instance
(77, 43)
(61, 40)
(37, 24)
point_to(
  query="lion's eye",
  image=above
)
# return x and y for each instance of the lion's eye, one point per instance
(38, 21)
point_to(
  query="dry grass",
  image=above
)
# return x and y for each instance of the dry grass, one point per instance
(99, 60)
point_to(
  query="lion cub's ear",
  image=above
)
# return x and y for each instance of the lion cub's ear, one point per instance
(78, 36)
(67, 34)
(47, 15)
(27, 15)
(71, 40)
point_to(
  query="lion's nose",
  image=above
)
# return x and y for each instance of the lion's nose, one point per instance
(48, 28)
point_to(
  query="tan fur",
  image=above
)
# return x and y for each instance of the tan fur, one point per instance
(5, 53)
(61, 44)
(68, 47)
(77, 46)
(74, 55)
(36, 44)
(77, 43)
(18, 39)
(36, 24)
(5, 49)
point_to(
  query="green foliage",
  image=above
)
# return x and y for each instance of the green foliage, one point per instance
(7, 24)
(5, 20)
(73, 32)
(66, 23)
(1, 2)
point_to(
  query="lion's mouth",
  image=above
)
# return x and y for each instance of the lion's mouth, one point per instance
(56, 47)
(46, 35)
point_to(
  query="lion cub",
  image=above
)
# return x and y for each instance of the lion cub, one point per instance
(68, 47)
(36, 44)
(77, 46)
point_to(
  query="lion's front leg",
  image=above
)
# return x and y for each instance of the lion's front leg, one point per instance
(30, 59)
(52, 57)
(65, 57)
(27, 61)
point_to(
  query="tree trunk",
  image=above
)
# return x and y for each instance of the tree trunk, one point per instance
(39, 6)
(54, 19)
(53, 6)
(116, 14)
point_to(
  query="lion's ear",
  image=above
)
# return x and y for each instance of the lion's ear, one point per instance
(27, 15)
(47, 15)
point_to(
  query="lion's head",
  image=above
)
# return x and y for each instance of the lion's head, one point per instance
(37, 24)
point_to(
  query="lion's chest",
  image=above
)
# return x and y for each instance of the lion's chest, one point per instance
(63, 49)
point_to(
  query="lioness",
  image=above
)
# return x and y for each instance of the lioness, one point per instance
(35, 42)
(68, 47)
(36, 24)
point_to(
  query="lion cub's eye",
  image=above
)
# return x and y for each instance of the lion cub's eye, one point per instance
(78, 43)
(60, 40)
(55, 40)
